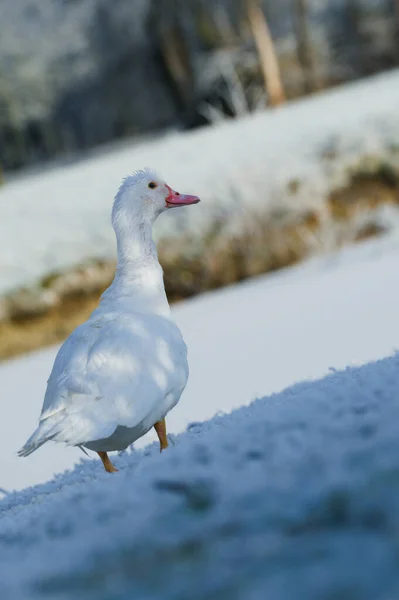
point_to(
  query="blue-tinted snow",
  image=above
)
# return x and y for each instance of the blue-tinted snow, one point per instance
(294, 497)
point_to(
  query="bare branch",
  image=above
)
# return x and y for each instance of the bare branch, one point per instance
(267, 54)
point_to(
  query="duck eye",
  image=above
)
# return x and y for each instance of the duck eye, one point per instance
(152, 185)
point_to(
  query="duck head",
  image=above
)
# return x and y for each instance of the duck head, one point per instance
(145, 195)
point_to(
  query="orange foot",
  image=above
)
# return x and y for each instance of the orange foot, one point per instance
(108, 466)
(160, 428)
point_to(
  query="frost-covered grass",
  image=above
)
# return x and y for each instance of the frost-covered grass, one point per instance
(284, 161)
(295, 496)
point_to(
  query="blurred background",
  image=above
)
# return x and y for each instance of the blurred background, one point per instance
(75, 74)
(229, 98)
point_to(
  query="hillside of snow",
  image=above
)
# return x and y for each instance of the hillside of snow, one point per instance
(245, 341)
(284, 161)
(295, 496)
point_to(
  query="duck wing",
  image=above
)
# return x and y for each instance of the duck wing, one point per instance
(107, 375)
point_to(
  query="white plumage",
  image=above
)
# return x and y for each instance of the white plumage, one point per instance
(122, 371)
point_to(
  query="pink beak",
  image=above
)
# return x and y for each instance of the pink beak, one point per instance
(175, 199)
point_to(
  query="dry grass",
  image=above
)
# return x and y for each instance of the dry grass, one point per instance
(31, 332)
(261, 243)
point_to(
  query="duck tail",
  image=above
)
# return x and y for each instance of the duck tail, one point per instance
(30, 446)
(45, 432)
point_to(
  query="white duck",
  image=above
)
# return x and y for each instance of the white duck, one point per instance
(122, 371)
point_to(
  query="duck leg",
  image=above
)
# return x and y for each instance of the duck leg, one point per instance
(108, 466)
(160, 428)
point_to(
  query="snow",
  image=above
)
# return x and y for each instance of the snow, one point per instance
(244, 342)
(292, 497)
(56, 220)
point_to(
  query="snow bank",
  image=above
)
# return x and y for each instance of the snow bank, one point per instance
(295, 496)
(57, 220)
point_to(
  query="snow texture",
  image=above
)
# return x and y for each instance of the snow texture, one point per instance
(295, 496)
(56, 220)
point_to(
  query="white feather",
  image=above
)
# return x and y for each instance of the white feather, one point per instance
(126, 367)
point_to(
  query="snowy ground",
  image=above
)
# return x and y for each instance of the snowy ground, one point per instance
(294, 497)
(54, 221)
(244, 342)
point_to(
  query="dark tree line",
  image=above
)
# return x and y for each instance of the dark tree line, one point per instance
(157, 64)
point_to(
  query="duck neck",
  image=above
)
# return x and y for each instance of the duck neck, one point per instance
(138, 282)
(136, 246)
